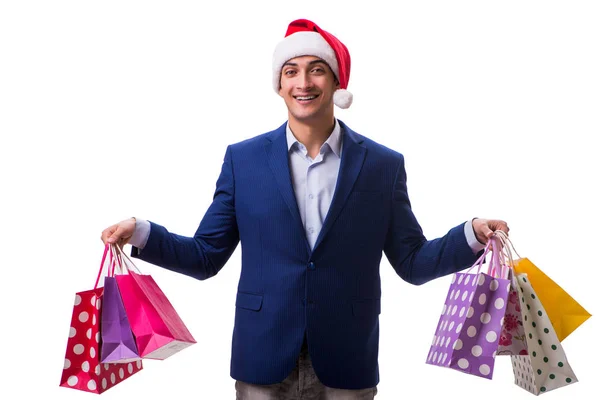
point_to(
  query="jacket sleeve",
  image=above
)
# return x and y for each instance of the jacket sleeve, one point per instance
(416, 259)
(203, 255)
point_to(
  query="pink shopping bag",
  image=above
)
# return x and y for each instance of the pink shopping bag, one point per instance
(158, 329)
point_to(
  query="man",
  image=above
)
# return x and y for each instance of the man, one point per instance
(316, 205)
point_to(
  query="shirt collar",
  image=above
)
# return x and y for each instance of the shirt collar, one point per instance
(334, 141)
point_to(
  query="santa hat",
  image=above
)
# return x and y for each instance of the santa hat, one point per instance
(305, 38)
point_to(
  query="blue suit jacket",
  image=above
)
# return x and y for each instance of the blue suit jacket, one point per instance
(332, 293)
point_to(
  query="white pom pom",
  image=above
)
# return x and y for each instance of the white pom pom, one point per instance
(342, 98)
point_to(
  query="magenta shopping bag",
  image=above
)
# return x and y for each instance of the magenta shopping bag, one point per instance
(468, 331)
(158, 329)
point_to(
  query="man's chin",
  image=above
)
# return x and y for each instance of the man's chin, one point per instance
(305, 115)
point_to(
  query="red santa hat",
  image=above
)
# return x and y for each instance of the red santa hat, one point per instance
(305, 38)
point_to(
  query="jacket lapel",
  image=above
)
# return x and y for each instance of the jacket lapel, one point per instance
(277, 155)
(353, 156)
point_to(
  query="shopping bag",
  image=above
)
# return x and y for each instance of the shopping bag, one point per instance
(118, 343)
(565, 313)
(546, 366)
(82, 368)
(512, 338)
(468, 330)
(158, 329)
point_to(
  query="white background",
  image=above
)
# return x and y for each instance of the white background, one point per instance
(118, 108)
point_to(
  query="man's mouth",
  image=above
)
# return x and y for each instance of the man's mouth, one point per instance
(304, 99)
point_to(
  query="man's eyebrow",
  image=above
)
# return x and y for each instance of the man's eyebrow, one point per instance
(293, 64)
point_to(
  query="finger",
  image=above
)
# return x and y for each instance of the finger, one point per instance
(116, 235)
(503, 226)
(123, 242)
(485, 231)
(107, 233)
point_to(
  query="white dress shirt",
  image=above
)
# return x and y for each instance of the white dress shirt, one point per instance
(314, 180)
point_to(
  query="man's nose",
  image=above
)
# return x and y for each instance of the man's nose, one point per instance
(304, 82)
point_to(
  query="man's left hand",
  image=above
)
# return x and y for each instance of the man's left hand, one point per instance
(484, 228)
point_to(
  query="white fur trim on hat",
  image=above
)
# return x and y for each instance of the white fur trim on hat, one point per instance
(303, 44)
(342, 98)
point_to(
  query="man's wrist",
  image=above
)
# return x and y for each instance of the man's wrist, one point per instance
(471, 237)
(140, 233)
(475, 233)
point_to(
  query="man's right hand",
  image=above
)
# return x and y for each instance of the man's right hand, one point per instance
(119, 233)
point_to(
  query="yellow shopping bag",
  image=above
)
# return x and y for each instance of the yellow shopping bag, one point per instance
(564, 312)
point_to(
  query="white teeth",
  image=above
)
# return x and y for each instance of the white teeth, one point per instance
(305, 97)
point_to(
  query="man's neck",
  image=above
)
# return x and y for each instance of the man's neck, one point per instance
(312, 134)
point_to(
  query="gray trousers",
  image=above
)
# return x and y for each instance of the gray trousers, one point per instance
(301, 384)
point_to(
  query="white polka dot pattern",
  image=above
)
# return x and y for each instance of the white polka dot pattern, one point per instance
(475, 305)
(82, 369)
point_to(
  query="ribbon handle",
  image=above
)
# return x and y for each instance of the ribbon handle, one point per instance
(111, 264)
(501, 258)
(123, 257)
(115, 262)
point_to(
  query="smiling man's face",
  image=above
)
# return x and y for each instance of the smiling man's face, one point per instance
(307, 87)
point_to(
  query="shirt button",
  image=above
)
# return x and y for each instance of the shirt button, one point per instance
(310, 196)
(311, 230)
(311, 265)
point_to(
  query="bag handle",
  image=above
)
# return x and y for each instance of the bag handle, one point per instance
(504, 237)
(495, 261)
(111, 264)
(120, 254)
(117, 261)
(496, 267)
(479, 262)
(507, 246)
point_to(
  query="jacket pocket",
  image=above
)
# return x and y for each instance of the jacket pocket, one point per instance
(366, 307)
(249, 301)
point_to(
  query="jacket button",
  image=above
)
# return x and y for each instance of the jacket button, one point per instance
(311, 265)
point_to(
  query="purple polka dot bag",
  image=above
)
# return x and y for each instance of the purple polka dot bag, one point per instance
(469, 329)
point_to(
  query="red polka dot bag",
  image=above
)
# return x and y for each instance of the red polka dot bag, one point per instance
(82, 368)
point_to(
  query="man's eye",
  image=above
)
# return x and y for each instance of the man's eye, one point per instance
(318, 70)
(289, 72)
